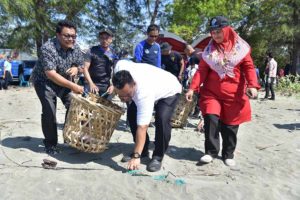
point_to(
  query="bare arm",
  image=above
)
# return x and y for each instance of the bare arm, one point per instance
(93, 87)
(86, 72)
(139, 145)
(141, 133)
(181, 69)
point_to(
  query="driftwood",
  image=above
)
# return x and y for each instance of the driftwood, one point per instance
(268, 146)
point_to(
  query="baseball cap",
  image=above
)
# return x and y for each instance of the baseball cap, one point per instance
(106, 30)
(165, 46)
(218, 22)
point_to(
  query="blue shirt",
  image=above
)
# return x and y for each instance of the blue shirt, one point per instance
(147, 53)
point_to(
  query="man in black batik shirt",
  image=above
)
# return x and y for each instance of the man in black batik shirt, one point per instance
(52, 77)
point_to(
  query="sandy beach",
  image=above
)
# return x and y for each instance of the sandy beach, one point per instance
(267, 156)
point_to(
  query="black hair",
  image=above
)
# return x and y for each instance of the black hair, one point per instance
(270, 55)
(64, 23)
(121, 78)
(74, 65)
(152, 27)
(123, 53)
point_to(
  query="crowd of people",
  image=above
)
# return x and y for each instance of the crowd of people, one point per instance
(223, 78)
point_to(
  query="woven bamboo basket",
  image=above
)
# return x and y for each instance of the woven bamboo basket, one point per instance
(90, 123)
(182, 111)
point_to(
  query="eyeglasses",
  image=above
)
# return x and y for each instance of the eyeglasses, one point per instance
(68, 37)
(216, 31)
(153, 36)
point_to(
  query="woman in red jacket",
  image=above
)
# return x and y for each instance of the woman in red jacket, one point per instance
(227, 74)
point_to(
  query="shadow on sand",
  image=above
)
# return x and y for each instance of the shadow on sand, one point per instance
(71, 155)
(292, 126)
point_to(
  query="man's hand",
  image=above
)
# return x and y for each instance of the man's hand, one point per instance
(94, 88)
(189, 95)
(110, 89)
(180, 77)
(73, 71)
(251, 93)
(77, 89)
(134, 163)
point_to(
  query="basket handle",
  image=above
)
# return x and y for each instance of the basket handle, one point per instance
(84, 94)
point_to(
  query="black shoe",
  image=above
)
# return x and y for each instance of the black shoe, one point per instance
(272, 98)
(52, 150)
(126, 158)
(155, 164)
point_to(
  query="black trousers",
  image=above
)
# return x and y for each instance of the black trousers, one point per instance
(102, 92)
(7, 80)
(164, 109)
(212, 127)
(197, 108)
(270, 87)
(48, 93)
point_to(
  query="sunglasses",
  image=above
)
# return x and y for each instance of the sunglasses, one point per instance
(153, 36)
(68, 37)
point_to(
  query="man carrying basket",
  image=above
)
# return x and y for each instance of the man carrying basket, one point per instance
(148, 88)
(51, 78)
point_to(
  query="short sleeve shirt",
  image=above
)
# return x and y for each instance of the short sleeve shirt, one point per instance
(101, 63)
(172, 63)
(7, 66)
(54, 57)
(148, 53)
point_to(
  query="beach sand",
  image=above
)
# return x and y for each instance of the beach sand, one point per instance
(267, 156)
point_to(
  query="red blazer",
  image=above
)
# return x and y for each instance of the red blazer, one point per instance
(226, 97)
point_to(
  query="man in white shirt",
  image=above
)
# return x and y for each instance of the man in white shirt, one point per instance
(7, 75)
(271, 80)
(148, 88)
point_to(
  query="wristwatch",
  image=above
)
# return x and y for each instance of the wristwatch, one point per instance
(135, 155)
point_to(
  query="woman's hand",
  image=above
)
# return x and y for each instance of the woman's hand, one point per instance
(251, 93)
(189, 95)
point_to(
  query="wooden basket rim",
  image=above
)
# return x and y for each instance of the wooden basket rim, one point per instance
(83, 100)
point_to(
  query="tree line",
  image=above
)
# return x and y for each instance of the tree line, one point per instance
(265, 25)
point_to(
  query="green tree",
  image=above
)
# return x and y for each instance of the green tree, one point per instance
(189, 18)
(32, 22)
(124, 18)
(266, 25)
(273, 26)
